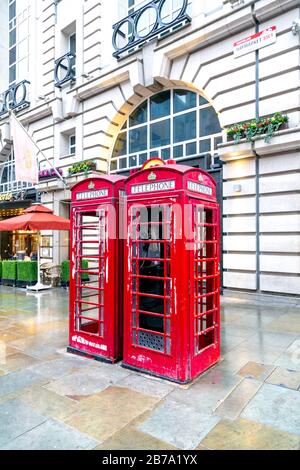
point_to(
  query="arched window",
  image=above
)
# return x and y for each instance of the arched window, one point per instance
(177, 124)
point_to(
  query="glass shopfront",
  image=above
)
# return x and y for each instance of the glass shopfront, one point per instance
(17, 244)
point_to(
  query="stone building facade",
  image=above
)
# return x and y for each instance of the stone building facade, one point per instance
(88, 116)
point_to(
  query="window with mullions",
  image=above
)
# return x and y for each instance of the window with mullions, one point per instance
(177, 124)
(72, 144)
(72, 44)
(12, 42)
(170, 11)
(19, 40)
(8, 181)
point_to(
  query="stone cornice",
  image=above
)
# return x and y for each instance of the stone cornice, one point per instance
(36, 114)
(102, 83)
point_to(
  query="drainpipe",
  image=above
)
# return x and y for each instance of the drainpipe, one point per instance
(257, 165)
(56, 2)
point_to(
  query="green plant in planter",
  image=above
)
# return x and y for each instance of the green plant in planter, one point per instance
(82, 167)
(263, 126)
(9, 271)
(65, 271)
(27, 271)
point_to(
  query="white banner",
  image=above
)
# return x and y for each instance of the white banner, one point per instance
(25, 151)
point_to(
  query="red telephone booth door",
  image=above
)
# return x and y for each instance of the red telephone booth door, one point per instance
(96, 269)
(171, 308)
(149, 311)
(205, 287)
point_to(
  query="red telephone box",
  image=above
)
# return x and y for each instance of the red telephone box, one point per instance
(171, 269)
(96, 268)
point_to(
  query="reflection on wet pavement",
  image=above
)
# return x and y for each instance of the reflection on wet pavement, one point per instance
(52, 400)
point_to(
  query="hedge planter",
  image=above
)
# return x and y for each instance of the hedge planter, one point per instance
(9, 273)
(65, 272)
(26, 273)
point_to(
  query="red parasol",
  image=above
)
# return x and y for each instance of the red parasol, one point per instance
(36, 217)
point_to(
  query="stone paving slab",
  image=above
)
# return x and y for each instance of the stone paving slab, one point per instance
(240, 356)
(229, 342)
(33, 328)
(9, 335)
(132, 439)
(254, 321)
(108, 412)
(6, 350)
(179, 425)
(80, 383)
(277, 407)
(290, 323)
(257, 371)
(111, 372)
(290, 358)
(207, 392)
(16, 419)
(48, 403)
(280, 341)
(243, 434)
(285, 378)
(237, 330)
(17, 361)
(234, 404)
(52, 435)
(5, 323)
(17, 381)
(58, 368)
(148, 386)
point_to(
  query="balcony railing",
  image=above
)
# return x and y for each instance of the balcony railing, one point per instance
(14, 98)
(156, 19)
(64, 70)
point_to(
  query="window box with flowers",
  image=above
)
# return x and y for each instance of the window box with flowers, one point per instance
(50, 173)
(264, 127)
(82, 167)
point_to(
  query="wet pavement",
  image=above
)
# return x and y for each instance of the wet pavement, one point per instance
(53, 400)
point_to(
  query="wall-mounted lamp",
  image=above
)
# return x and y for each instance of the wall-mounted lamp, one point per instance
(296, 27)
(87, 76)
(234, 3)
(43, 98)
(237, 188)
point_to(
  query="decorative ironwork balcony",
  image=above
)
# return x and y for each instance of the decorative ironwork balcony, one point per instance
(64, 70)
(152, 20)
(14, 98)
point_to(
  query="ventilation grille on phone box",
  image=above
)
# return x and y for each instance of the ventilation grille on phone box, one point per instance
(150, 340)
